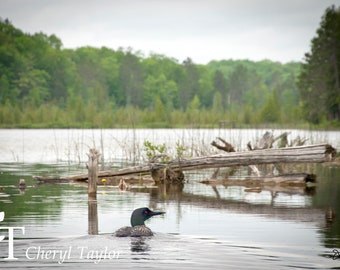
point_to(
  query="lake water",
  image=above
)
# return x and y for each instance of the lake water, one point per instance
(204, 226)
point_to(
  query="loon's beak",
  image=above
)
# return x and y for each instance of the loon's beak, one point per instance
(156, 213)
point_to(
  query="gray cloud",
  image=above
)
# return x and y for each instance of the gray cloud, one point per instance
(202, 30)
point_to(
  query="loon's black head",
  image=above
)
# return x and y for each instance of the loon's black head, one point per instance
(141, 214)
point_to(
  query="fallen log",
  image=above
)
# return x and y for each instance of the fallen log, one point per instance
(302, 154)
(293, 180)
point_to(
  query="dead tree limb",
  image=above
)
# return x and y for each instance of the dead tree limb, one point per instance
(227, 146)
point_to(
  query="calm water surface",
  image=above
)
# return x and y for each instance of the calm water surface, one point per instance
(217, 227)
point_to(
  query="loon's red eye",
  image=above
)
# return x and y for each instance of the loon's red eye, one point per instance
(146, 212)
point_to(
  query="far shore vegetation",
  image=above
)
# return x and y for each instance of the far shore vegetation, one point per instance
(43, 85)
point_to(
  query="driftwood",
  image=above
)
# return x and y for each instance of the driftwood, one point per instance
(227, 146)
(51, 179)
(300, 179)
(302, 154)
(269, 139)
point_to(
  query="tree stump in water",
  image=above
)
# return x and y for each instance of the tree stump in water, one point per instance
(167, 175)
(92, 167)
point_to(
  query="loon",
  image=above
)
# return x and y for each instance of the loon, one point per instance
(137, 222)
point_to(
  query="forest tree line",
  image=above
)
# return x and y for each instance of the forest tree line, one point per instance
(44, 85)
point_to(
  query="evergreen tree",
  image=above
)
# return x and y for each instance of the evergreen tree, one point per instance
(131, 80)
(189, 83)
(271, 112)
(319, 79)
(221, 86)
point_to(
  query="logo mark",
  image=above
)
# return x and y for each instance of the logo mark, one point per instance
(10, 237)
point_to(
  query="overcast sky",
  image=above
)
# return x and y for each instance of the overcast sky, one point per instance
(203, 30)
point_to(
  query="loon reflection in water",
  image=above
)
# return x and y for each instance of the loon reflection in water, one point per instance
(137, 222)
